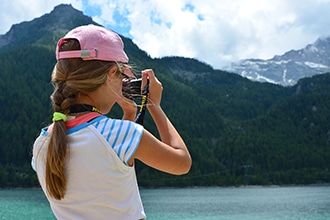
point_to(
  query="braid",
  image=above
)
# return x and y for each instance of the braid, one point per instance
(63, 97)
(70, 78)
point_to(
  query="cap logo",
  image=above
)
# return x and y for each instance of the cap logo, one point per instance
(87, 54)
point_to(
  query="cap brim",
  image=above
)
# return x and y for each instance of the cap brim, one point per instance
(128, 72)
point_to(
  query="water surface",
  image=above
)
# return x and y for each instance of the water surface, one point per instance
(214, 203)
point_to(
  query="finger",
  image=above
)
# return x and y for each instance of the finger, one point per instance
(144, 79)
(151, 76)
(147, 74)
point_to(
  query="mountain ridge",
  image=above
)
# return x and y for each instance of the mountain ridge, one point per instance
(288, 68)
(283, 70)
(56, 22)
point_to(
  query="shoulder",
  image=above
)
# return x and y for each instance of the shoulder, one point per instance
(122, 136)
(108, 125)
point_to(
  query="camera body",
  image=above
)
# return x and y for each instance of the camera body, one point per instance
(132, 88)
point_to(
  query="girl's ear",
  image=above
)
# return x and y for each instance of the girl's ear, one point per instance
(112, 72)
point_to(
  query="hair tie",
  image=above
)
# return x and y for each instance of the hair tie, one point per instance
(58, 116)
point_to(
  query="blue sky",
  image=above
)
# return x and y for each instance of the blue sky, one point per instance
(215, 32)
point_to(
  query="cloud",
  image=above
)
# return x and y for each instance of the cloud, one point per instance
(214, 32)
(219, 33)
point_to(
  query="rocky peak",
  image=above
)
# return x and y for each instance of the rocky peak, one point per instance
(288, 68)
(61, 19)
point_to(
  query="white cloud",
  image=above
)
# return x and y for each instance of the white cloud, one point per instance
(216, 32)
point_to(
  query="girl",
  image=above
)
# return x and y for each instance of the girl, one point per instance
(85, 160)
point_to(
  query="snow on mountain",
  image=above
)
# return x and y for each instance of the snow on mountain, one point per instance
(288, 68)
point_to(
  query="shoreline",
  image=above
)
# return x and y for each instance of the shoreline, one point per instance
(241, 186)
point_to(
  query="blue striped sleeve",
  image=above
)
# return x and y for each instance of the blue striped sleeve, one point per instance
(122, 136)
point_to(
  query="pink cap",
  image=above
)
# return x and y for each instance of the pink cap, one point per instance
(97, 43)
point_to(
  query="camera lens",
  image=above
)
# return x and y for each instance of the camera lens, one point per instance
(132, 88)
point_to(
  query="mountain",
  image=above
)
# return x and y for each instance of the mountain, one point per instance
(238, 131)
(45, 30)
(288, 68)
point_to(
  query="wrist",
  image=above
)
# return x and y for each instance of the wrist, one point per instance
(154, 107)
(129, 116)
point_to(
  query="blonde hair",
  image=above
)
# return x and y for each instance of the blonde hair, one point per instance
(70, 77)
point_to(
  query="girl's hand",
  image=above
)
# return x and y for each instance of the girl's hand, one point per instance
(155, 87)
(129, 108)
(169, 154)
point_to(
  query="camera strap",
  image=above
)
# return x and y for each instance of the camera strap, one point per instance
(83, 108)
(142, 108)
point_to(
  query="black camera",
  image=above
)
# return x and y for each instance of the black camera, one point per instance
(132, 88)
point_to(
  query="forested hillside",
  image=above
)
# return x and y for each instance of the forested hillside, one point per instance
(238, 131)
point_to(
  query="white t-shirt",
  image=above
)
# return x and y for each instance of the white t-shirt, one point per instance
(100, 184)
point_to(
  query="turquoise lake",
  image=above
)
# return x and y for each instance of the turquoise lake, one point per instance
(214, 203)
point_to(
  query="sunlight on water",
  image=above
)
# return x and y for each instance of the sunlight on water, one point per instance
(251, 203)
